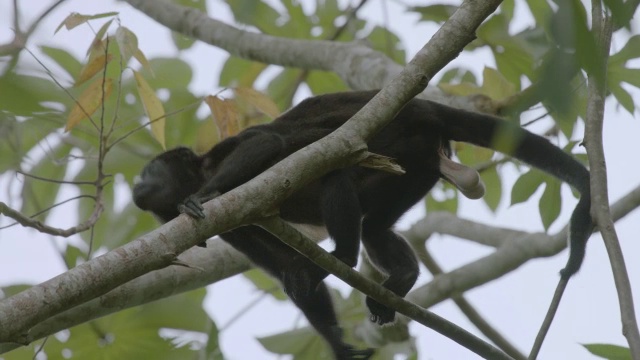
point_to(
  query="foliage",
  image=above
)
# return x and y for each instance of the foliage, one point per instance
(101, 118)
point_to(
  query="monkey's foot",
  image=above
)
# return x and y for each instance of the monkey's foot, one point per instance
(380, 314)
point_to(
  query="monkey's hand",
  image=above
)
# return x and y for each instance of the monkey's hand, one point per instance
(192, 205)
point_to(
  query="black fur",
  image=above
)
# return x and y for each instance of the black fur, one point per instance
(352, 203)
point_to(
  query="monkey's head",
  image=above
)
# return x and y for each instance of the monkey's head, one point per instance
(167, 180)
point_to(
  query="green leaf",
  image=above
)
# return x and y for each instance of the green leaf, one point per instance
(513, 55)
(457, 75)
(265, 283)
(526, 185)
(495, 85)
(71, 256)
(24, 95)
(39, 194)
(550, 202)
(507, 8)
(299, 23)
(324, 82)
(64, 59)
(631, 50)
(240, 72)
(8, 291)
(170, 73)
(182, 42)
(436, 13)
(388, 43)
(304, 343)
(212, 350)
(493, 185)
(541, 11)
(258, 14)
(608, 351)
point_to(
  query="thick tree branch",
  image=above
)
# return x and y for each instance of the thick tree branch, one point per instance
(359, 66)
(506, 258)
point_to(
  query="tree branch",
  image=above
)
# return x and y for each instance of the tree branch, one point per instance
(293, 238)
(359, 66)
(597, 92)
(505, 259)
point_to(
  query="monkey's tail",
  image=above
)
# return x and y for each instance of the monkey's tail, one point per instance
(510, 139)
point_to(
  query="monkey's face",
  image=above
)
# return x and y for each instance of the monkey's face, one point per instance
(166, 181)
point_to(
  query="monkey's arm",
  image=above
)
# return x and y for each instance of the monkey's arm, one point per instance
(253, 153)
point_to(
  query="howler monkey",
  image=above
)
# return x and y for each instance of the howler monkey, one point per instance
(353, 203)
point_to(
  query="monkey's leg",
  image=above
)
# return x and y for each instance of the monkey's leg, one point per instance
(341, 215)
(386, 201)
(271, 254)
(391, 253)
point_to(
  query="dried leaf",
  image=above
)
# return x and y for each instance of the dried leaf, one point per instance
(93, 67)
(89, 101)
(261, 101)
(99, 35)
(73, 20)
(152, 107)
(225, 116)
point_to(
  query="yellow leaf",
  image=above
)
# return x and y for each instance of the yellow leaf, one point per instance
(139, 55)
(225, 116)
(99, 35)
(152, 107)
(73, 20)
(93, 67)
(261, 101)
(88, 102)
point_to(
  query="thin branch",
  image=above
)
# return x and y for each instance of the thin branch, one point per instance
(308, 248)
(548, 319)
(54, 180)
(467, 309)
(51, 207)
(602, 29)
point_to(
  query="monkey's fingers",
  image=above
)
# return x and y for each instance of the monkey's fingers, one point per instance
(192, 207)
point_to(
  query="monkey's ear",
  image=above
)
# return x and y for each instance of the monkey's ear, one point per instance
(464, 178)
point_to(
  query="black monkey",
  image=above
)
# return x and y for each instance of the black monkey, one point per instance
(352, 203)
